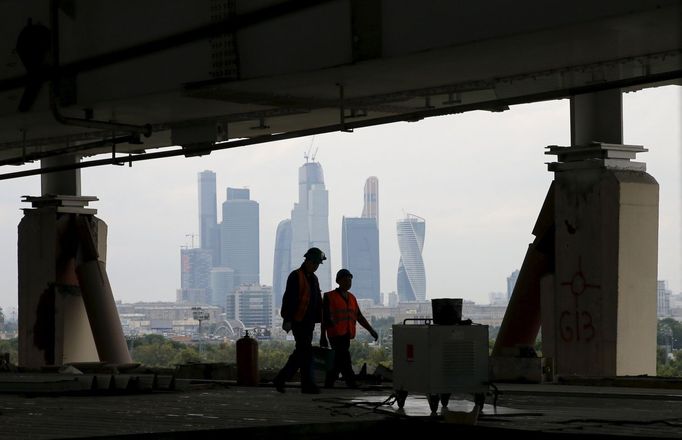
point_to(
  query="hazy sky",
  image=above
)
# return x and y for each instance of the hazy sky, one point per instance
(478, 179)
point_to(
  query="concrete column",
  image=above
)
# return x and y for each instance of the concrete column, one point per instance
(521, 322)
(53, 324)
(597, 117)
(62, 182)
(604, 305)
(56, 326)
(512, 357)
(97, 294)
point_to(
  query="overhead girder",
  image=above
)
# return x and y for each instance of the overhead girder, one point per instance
(366, 69)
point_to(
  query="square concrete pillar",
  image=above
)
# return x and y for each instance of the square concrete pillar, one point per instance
(53, 323)
(603, 315)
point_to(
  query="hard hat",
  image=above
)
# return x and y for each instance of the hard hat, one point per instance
(315, 254)
(343, 273)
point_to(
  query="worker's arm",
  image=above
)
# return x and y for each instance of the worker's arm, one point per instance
(363, 322)
(289, 301)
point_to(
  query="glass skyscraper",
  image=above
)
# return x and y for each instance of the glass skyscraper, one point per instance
(360, 245)
(411, 273)
(240, 248)
(209, 234)
(370, 209)
(195, 269)
(511, 282)
(360, 255)
(222, 284)
(309, 226)
(282, 261)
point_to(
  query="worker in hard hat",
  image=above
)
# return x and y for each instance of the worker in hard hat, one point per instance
(340, 313)
(301, 310)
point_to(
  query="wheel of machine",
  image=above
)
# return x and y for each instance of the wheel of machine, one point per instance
(445, 399)
(400, 397)
(433, 401)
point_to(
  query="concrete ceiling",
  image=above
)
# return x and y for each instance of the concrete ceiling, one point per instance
(205, 74)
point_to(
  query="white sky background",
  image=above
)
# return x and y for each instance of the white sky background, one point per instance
(479, 180)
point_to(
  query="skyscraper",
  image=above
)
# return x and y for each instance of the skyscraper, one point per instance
(222, 284)
(511, 282)
(208, 227)
(370, 208)
(282, 260)
(411, 273)
(310, 222)
(360, 245)
(240, 237)
(195, 269)
(360, 255)
(663, 299)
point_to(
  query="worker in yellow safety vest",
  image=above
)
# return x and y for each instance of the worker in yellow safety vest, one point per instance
(340, 313)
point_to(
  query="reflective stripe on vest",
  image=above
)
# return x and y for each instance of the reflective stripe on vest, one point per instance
(303, 296)
(343, 314)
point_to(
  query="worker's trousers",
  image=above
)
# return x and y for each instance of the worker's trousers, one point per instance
(302, 356)
(342, 361)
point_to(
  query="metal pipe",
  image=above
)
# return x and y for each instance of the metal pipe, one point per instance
(648, 78)
(25, 157)
(544, 96)
(89, 123)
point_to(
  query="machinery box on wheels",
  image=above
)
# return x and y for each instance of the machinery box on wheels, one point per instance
(438, 360)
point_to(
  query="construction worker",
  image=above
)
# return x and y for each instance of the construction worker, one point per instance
(301, 310)
(340, 312)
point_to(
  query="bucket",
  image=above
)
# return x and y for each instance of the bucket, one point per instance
(323, 362)
(446, 311)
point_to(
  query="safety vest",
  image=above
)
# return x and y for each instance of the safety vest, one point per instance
(343, 314)
(303, 296)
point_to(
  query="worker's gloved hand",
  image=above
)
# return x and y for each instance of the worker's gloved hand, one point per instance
(374, 334)
(323, 341)
(286, 326)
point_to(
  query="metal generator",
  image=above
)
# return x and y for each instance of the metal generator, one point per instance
(438, 360)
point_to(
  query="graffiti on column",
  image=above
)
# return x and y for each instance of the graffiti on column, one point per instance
(576, 324)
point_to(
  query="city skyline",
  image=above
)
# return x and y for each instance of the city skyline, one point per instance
(478, 178)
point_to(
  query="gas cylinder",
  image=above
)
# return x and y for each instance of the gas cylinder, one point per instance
(247, 361)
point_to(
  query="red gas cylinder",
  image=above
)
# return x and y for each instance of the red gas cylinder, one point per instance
(247, 361)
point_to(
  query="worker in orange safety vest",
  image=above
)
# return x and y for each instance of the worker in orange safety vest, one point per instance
(301, 310)
(340, 313)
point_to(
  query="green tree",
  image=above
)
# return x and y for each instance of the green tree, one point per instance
(155, 350)
(669, 333)
(187, 354)
(222, 352)
(274, 354)
(10, 346)
(669, 366)
(363, 353)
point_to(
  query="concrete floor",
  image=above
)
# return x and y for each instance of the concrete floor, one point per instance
(213, 410)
